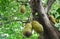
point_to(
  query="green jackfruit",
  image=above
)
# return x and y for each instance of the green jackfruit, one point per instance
(27, 30)
(37, 26)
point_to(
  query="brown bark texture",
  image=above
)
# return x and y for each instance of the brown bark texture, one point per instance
(50, 32)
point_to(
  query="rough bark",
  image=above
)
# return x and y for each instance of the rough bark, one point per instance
(49, 31)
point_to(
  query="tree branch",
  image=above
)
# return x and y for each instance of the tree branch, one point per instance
(49, 4)
(25, 21)
(49, 30)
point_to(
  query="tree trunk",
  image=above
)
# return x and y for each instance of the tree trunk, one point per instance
(49, 31)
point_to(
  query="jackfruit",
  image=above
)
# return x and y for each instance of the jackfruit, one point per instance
(27, 30)
(37, 26)
(52, 19)
(23, 9)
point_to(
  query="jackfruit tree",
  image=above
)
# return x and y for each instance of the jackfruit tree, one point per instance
(50, 31)
(29, 19)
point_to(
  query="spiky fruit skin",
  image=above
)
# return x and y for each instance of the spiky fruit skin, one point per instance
(52, 19)
(23, 9)
(27, 30)
(37, 26)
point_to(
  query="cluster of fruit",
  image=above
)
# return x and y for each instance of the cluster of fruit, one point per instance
(34, 24)
(30, 26)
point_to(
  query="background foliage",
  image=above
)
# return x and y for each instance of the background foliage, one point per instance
(11, 19)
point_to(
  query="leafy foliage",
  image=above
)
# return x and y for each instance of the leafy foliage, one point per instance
(11, 19)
